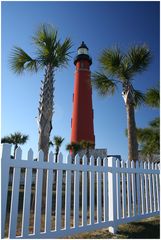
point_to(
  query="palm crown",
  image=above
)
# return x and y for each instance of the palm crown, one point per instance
(49, 50)
(16, 139)
(119, 68)
(57, 141)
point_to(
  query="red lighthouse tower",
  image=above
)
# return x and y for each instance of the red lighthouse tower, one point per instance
(82, 117)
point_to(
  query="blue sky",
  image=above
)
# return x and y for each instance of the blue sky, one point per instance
(101, 25)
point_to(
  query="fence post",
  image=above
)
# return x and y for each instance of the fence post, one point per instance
(15, 196)
(76, 191)
(112, 194)
(92, 192)
(5, 156)
(58, 207)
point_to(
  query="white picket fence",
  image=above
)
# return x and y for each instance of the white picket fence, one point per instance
(98, 194)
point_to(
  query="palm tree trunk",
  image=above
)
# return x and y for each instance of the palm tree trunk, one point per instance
(45, 120)
(46, 111)
(56, 154)
(87, 154)
(56, 160)
(131, 129)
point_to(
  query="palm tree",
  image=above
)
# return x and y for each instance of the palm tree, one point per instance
(57, 142)
(73, 147)
(87, 145)
(149, 138)
(50, 55)
(16, 138)
(120, 68)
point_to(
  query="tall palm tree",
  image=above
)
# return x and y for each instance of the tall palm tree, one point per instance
(50, 54)
(16, 139)
(120, 68)
(57, 142)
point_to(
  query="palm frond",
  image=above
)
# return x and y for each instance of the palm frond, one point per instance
(45, 37)
(63, 52)
(153, 97)
(15, 138)
(49, 48)
(143, 134)
(124, 73)
(51, 144)
(21, 61)
(155, 124)
(58, 140)
(139, 98)
(86, 144)
(74, 147)
(149, 139)
(103, 84)
(111, 60)
(19, 138)
(139, 58)
(6, 139)
(46, 41)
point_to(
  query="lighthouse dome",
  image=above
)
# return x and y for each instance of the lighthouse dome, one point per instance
(83, 49)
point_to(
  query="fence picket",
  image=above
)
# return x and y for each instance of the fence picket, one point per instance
(27, 196)
(84, 193)
(138, 187)
(118, 190)
(133, 189)
(154, 189)
(76, 192)
(15, 196)
(105, 190)
(146, 189)
(68, 195)
(49, 191)
(99, 196)
(92, 181)
(150, 188)
(58, 207)
(157, 188)
(142, 190)
(5, 160)
(123, 191)
(112, 195)
(128, 190)
(38, 195)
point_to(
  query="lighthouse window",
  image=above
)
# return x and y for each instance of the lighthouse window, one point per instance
(82, 51)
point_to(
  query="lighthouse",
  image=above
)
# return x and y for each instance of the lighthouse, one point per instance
(82, 127)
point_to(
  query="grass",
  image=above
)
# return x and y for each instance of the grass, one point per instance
(146, 228)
